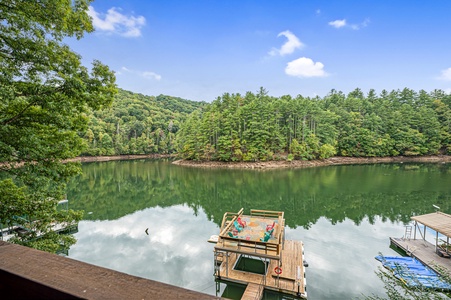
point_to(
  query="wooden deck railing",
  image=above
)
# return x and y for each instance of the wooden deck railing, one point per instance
(266, 213)
(229, 217)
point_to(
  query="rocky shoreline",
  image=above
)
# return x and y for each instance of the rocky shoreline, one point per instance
(118, 157)
(273, 164)
(313, 163)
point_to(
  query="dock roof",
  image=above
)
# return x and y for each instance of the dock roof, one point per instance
(437, 221)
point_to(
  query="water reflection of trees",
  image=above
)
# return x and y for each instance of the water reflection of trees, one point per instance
(393, 192)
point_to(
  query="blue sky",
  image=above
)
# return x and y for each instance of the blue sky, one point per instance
(199, 50)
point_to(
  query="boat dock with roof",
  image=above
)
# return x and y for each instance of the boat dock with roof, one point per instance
(252, 250)
(414, 242)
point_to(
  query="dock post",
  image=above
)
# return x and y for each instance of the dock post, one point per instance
(218, 288)
(227, 264)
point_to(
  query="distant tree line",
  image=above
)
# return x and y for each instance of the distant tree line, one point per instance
(257, 127)
(137, 124)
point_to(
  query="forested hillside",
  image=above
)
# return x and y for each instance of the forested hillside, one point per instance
(260, 127)
(137, 124)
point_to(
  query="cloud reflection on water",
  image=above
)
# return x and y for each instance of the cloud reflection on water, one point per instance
(341, 256)
(175, 251)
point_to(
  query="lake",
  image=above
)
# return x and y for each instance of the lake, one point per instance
(343, 214)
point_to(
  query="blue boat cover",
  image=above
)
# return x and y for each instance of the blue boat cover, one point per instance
(413, 272)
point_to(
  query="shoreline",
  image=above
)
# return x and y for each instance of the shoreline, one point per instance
(117, 157)
(337, 160)
(280, 164)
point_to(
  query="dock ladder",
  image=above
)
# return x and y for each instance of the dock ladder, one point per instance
(219, 258)
(408, 233)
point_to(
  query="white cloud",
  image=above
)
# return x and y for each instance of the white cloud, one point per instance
(338, 23)
(290, 45)
(318, 12)
(343, 23)
(446, 75)
(151, 75)
(115, 22)
(144, 74)
(305, 67)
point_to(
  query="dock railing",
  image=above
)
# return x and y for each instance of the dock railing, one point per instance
(257, 248)
(228, 219)
(266, 213)
(261, 287)
(270, 249)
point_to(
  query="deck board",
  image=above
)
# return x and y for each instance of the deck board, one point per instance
(253, 292)
(292, 257)
(27, 273)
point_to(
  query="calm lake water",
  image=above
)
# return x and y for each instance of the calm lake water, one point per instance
(343, 214)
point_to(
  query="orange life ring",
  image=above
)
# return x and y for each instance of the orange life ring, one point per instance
(278, 270)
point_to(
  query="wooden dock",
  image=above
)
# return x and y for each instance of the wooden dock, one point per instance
(253, 292)
(282, 260)
(8, 233)
(423, 251)
(19, 229)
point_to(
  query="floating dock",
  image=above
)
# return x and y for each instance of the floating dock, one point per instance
(10, 232)
(23, 228)
(252, 250)
(414, 273)
(424, 252)
(436, 257)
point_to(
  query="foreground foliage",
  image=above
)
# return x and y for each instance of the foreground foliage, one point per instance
(45, 93)
(396, 290)
(259, 127)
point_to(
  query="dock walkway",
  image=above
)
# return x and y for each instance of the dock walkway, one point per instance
(253, 292)
(424, 252)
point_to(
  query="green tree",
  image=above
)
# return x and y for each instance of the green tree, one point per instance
(190, 138)
(259, 127)
(45, 96)
(444, 116)
(138, 124)
(107, 144)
